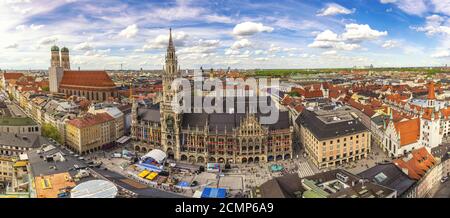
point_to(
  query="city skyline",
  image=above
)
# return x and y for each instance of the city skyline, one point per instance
(327, 34)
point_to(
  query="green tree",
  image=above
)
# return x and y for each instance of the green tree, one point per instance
(52, 132)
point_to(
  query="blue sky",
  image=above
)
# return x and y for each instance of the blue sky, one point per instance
(104, 34)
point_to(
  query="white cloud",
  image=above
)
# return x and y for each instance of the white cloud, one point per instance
(36, 27)
(347, 46)
(328, 36)
(14, 45)
(201, 47)
(161, 41)
(250, 28)
(332, 52)
(321, 44)
(413, 7)
(85, 46)
(441, 6)
(334, 9)
(360, 32)
(214, 18)
(390, 44)
(260, 52)
(273, 48)
(21, 27)
(441, 54)
(328, 39)
(231, 52)
(435, 24)
(129, 32)
(48, 40)
(289, 49)
(387, 1)
(242, 43)
(261, 59)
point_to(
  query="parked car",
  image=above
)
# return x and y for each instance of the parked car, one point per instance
(194, 183)
(444, 179)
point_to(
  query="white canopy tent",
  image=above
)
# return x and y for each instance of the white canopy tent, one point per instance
(157, 155)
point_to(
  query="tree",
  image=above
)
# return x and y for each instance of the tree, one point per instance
(52, 132)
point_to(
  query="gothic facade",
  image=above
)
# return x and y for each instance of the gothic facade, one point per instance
(202, 137)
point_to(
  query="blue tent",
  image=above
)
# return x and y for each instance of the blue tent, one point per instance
(214, 193)
(183, 184)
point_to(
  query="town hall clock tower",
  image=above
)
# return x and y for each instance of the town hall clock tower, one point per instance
(170, 120)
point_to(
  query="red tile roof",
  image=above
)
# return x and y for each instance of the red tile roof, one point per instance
(397, 98)
(90, 120)
(409, 131)
(417, 163)
(431, 94)
(446, 112)
(9, 76)
(86, 79)
(428, 114)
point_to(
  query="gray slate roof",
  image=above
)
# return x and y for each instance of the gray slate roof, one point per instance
(394, 178)
(19, 140)
(322, 131)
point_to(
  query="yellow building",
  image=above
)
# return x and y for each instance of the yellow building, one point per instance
(333, 137)
(89, 133)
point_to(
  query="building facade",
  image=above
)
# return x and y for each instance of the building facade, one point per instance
(333, 137)
(6, 168)
(201, 137)
(90, 133)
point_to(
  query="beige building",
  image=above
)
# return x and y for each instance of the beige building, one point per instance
(6, 168)
(90, 133)
(119, 121)
(333, 137)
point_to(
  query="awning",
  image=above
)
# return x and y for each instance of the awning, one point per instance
(152, 176)
(123, 139)
(143, 174)
(157, 155)
(183, 184)
(20, 164)
(214, 193)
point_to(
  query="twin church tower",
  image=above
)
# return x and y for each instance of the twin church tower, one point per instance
(60, 59)
(58, 64)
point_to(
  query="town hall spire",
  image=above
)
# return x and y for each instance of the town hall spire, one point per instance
(171, 58)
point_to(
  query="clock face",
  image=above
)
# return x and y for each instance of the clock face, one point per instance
(169, 122)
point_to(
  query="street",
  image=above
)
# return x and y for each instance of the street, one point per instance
(444, 190)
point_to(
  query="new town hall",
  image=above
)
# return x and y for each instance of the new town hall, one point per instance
(200, 137)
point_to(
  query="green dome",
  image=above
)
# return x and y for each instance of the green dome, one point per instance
(55, 48)
(64, 49)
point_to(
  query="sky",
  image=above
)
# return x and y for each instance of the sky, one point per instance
(245, 34)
